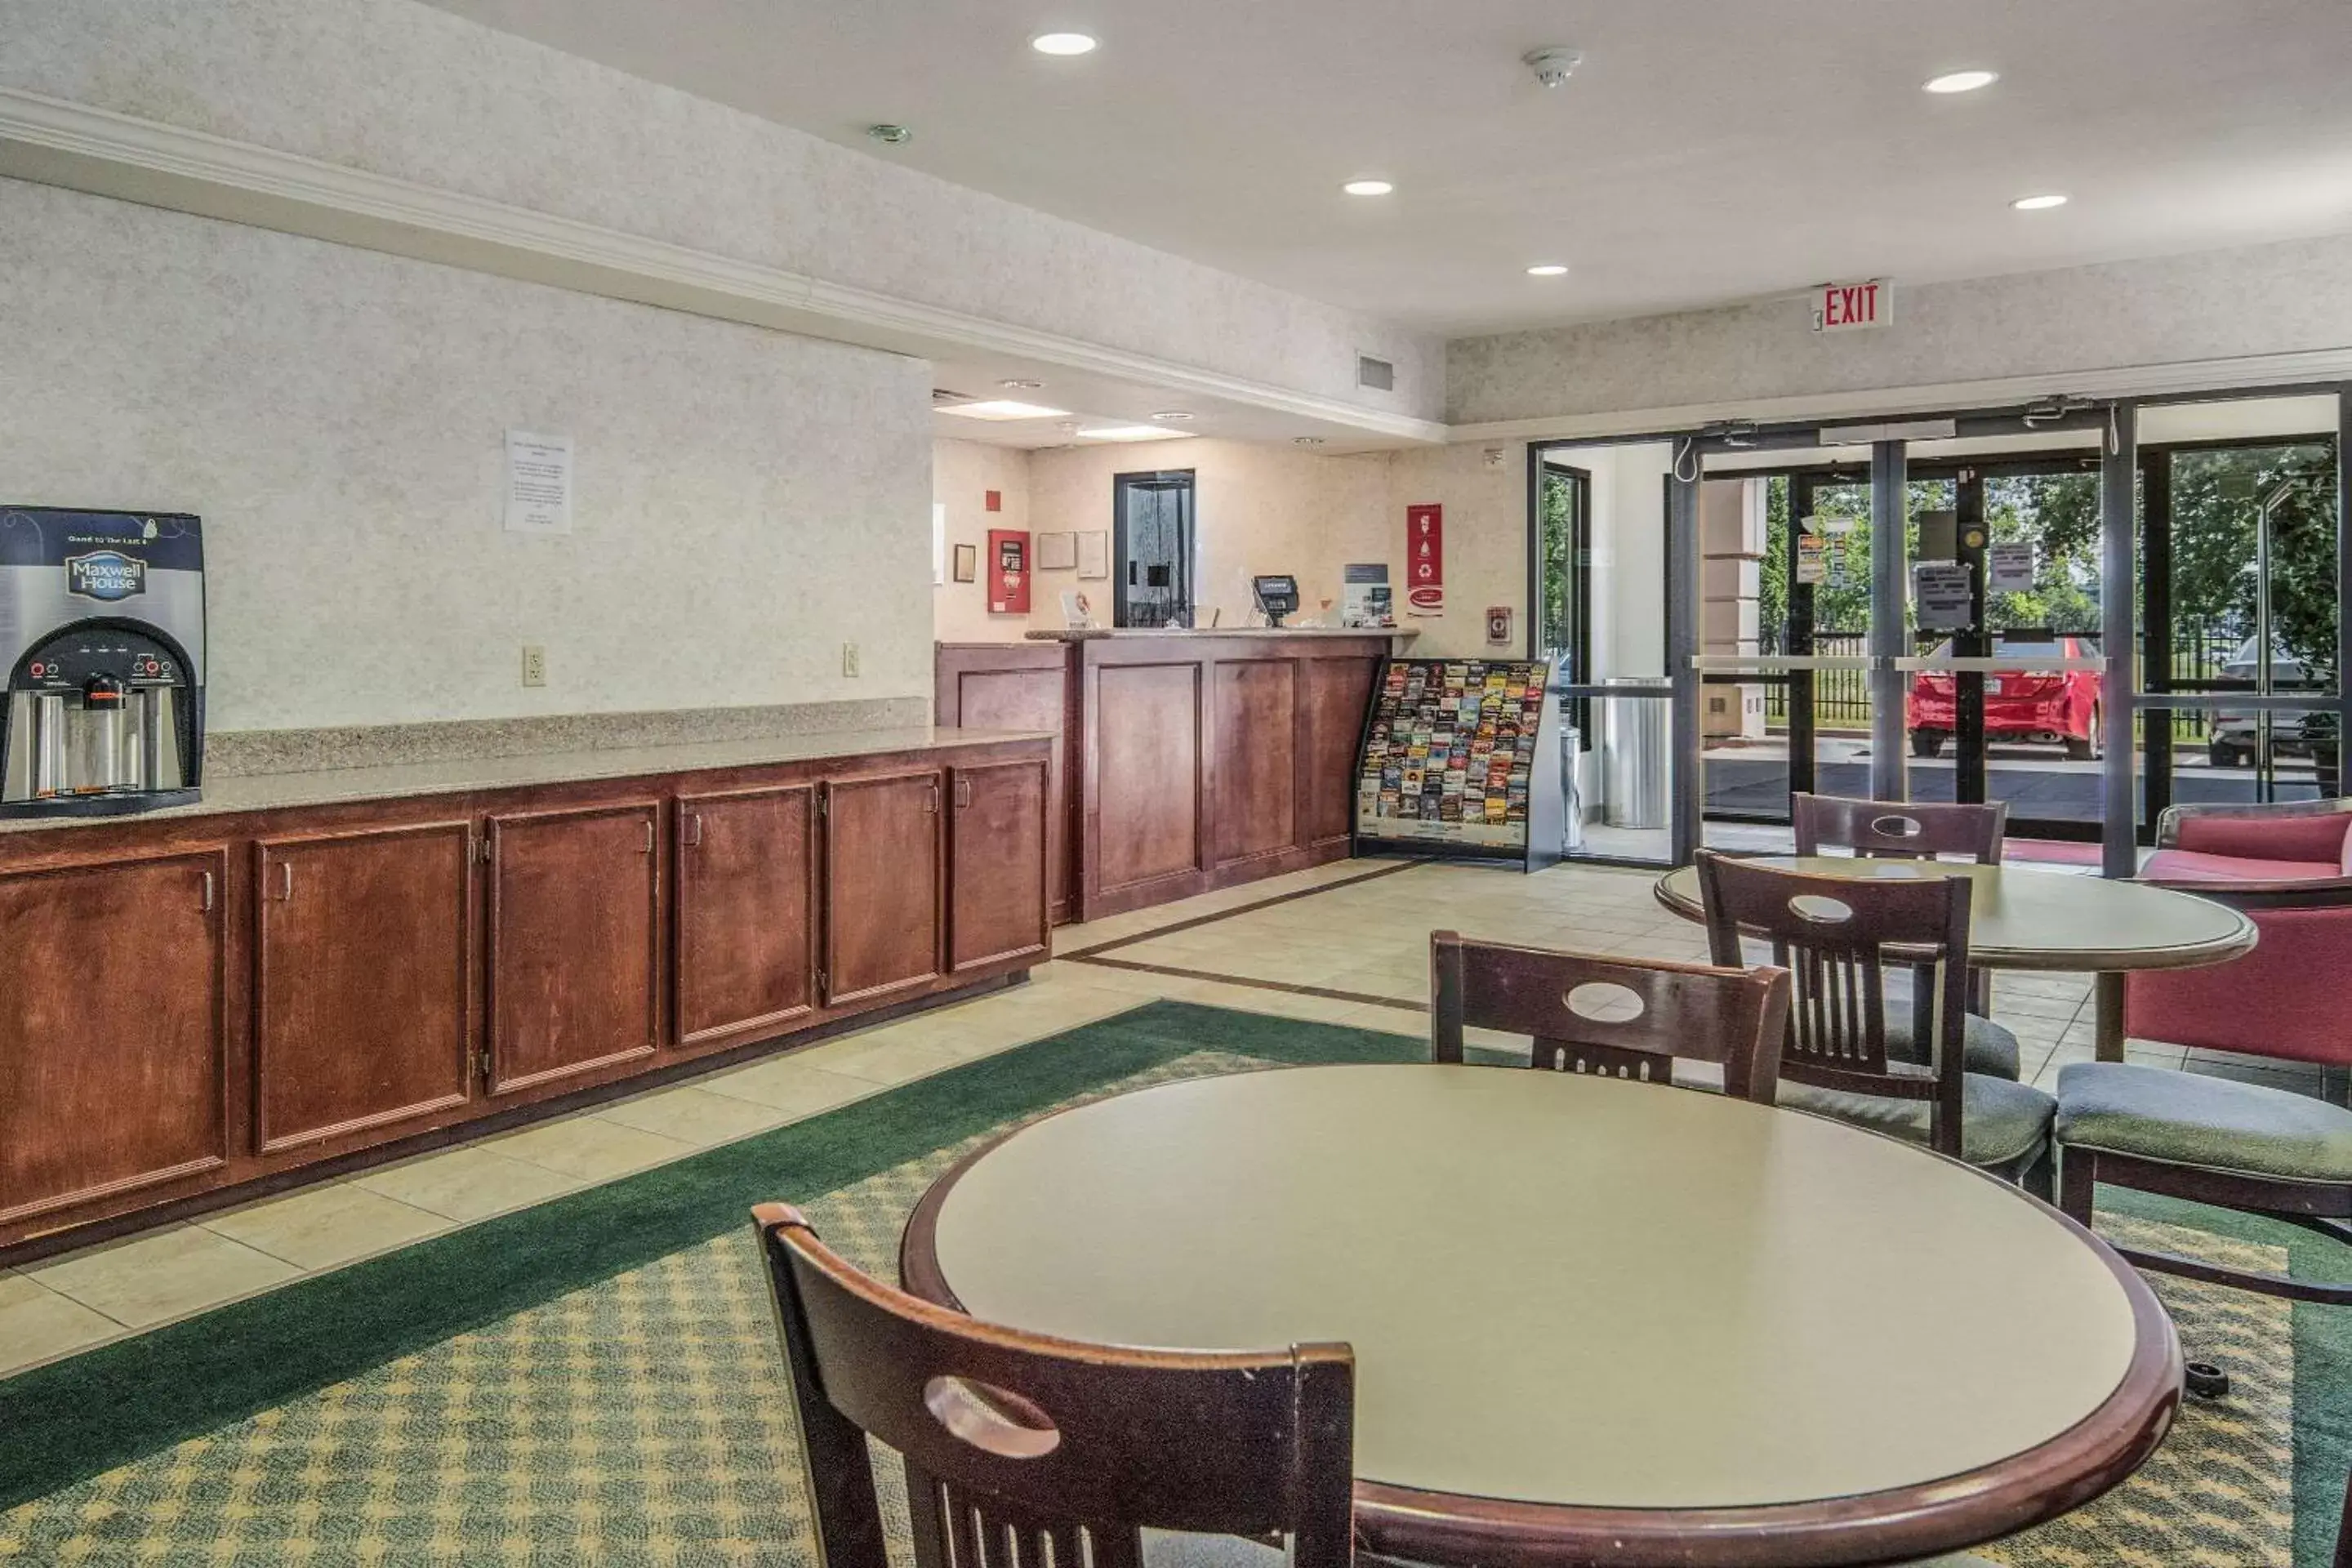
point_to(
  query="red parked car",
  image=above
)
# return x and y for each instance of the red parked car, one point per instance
(2060, 705)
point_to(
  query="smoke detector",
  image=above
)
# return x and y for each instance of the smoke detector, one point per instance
(890, 135)
(1554, 65)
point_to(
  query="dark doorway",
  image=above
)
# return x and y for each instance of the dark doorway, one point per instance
(1152, 514)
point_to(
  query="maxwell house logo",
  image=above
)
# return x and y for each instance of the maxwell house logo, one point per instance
(105, 574)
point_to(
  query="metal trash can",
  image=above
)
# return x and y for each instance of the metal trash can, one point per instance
(1633, 756)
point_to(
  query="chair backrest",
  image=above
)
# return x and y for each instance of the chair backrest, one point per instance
(1024, 1451)
(1612, 1016)
(1838, 936)
(1889, 830)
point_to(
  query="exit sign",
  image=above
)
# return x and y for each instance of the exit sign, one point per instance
(1850, 307)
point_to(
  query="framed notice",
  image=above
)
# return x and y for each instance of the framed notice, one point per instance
(1094, 556)
(1057, 552)
(967, 563)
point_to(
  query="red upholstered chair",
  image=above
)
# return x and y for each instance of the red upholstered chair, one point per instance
(2290, 868)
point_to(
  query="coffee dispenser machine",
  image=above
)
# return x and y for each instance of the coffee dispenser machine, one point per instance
(102, 632)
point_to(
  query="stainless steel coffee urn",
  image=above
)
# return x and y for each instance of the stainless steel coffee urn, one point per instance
(102, 629)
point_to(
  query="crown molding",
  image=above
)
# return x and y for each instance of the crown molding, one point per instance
(2312, 368)
(55, 142)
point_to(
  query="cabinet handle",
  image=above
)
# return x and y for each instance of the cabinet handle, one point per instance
(286, 884)
(963, 794)
(694, 830)
(206, 906)
(649, 835)
(933, 804)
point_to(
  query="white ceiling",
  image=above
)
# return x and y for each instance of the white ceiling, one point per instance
(1705, 152)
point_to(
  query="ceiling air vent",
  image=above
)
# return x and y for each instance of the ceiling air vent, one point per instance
(941, 394)
(1377, 374)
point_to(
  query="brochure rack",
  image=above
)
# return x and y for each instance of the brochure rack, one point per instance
(1460, 759)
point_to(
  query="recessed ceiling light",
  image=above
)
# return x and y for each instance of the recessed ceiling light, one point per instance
(1960, 81)
(890, 135)
(2038, 204)
(1130, 433)
(1368, 187)
(1063, 44)
(1017, 385)
(1547, 269)
(1172, 414)
(1004, 409)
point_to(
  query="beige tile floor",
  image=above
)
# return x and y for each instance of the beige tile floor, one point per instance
(1367, 939)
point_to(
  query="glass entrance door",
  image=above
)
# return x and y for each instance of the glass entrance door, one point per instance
(2241, 557)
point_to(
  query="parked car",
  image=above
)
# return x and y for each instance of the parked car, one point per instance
(2235, 734)
(2057, 705)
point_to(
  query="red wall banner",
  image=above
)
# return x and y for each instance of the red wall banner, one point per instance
(1424, 559)
(1008, 572)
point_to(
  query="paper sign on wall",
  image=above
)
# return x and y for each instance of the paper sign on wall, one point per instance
(1424, 545)
(2010, 567)
(1943, 593)
(539, 483)
(1812, 558)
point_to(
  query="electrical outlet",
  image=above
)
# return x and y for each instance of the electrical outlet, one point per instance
(534, 665)
(849, 658)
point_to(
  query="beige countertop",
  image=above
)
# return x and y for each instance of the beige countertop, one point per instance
(1097, 634)
(341, 786)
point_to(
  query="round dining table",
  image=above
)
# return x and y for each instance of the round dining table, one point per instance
(2023, 918)
(1594, 1321)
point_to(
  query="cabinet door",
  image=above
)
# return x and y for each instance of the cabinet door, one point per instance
(575, 954)
(113, 1037)
(996, 863)
(881, 885)
(746, 910)
(364, 996)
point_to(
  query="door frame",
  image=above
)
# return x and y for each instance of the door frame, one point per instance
(1188, 537)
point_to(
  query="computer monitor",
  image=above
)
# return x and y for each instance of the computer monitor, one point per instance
(1277, 596)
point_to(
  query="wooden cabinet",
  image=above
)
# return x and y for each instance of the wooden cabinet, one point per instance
(746, 956)
(191, 1004)
(575, 941)
(113, 1032)
(364, 978)
(996, 863)
(882, 885)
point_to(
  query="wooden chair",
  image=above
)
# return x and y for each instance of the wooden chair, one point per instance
(1904, 831)
(1018, 1447)
(1887, 830)
(1839, 936)
(1735, 1016)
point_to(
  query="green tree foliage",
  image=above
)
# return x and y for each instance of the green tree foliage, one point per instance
(2216, 511)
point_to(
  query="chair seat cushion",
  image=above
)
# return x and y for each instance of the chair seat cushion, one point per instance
(2188, 1118)
(1985, 1046)
(1172, 1549)
(2203, 866)
(2001, 1120)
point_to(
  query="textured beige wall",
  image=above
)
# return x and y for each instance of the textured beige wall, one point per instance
(1259, 509)
(963, 473)
(746, 500)
(2255, 300)
(404, 90)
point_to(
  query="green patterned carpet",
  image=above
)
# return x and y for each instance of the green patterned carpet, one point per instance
(595, 1381)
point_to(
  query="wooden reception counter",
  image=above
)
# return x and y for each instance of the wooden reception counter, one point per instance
(1182, 761)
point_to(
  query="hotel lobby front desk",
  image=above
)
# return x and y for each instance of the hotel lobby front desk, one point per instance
(1183, 762)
